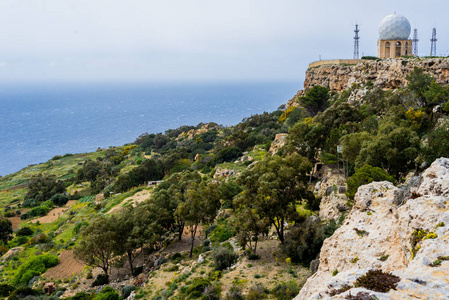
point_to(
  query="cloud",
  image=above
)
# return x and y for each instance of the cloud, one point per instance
(201, 39)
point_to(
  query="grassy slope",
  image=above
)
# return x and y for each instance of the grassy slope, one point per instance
(269, 270)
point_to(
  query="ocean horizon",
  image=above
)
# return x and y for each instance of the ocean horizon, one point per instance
(40, 121)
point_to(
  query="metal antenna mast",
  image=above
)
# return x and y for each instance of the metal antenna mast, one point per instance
(356, 41)
(433, 46)
(415, 43)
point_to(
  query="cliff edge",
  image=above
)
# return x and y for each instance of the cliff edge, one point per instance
(386, 73)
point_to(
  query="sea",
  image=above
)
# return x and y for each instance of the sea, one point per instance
(39, 121)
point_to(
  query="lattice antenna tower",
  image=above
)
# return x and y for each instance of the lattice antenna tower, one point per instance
(415, 42)
(433, 44)
(356, 41)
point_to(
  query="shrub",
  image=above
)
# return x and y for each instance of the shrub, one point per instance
(9, 214)
(205, 249)
(286, 114)
(6, 290)
(24, 231)
(101, 279)
(59, 199)
(126, 291)
(234, 293)
(227, 154)
(378, 281)
(221, 233)
(78, 226)
(223, 257)
(39, 211)
(365, 175)
(30, 203)
(285, 290)
(22, 292)
(34, 267)
(138, 270)
(303, 243)
(253, 256)
(81, 296)
(107, 293)
(209, 230)
(370, 57)
(212, 292)
(38, 239)
(25, 216)
(256, 292)
(197, 287)
(20, 240)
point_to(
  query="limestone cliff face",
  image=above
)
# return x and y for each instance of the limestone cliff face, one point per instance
(386, 73)
(378, 234)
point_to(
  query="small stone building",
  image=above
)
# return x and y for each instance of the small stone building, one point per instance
(394, 32)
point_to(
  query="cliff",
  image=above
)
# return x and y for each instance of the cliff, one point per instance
(400, 230)
(385, 74)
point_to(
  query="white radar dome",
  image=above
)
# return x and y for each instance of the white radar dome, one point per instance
(394, 27)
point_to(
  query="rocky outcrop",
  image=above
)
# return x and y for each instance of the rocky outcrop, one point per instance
(331, 189)
(279, 141)
(219, 173)
(203, 129)
(386, 73)
(403, 231)
(11, 253)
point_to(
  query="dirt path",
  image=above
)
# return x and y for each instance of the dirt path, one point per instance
(54, 214)
(133, 200)
(68, 266)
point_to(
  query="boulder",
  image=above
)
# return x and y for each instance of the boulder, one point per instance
(380, 233)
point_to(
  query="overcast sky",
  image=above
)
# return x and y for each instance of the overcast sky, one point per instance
(194, 40)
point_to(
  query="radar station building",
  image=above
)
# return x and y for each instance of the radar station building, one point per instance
(394, 33)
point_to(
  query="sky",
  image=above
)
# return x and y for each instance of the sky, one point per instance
(195, 40)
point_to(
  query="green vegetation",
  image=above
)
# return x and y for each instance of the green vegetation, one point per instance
(218, 183)
(34, 266)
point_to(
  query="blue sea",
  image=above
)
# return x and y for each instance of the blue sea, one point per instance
(38, 122)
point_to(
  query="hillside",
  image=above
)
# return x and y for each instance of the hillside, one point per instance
(248, 211)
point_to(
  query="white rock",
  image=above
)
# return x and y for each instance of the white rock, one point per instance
(387, 230)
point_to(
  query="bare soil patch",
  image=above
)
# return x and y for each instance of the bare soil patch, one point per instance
(133, 200)
(17, 220)
(54, 214)
(68, 266)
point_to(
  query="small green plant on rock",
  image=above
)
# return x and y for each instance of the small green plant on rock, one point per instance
(439, 260)
(441, 224)
(361, 296)
(335, 272)
(384, 257)
(361, 233)
(343, 289)
(378, 281)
